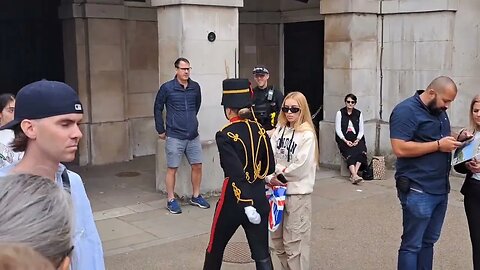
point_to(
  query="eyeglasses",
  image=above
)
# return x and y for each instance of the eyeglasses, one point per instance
(291, 109)
(350, 101)
(185, 69)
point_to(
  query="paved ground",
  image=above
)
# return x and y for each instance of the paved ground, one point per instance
(353, 227)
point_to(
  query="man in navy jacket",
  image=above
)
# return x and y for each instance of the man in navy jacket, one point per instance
(182, 98)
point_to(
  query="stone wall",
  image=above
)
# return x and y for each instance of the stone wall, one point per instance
(426, 39)
(111, 58)
(183, 28)
(350, 67)
(259, 44)
(421, 40)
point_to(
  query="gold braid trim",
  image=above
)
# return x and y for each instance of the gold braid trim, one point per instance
(263, 137)
(230, 123)
(257, 165)
(237, 192)
(235, 137)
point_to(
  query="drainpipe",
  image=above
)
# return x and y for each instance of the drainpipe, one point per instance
(377, 129)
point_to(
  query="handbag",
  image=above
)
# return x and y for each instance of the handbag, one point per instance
(378, 164)
(375, 169)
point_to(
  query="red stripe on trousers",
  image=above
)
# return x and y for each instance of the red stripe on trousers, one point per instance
(217, 214)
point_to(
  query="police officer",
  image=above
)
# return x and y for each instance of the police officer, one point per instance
(246, 157)
(267, 100)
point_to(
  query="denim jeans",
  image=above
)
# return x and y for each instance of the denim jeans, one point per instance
(423, 216)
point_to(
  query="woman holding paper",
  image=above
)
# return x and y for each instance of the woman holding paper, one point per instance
(471, 186)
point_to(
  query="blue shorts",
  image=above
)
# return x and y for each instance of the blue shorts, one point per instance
(176, 148)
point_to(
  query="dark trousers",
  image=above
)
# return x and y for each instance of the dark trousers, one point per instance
(423, 216)
(472, 206)
(227, 218)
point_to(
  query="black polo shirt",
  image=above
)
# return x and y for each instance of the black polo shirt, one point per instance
(412, 121)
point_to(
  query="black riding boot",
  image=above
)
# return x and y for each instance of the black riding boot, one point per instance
(212, 262)
(265, 264)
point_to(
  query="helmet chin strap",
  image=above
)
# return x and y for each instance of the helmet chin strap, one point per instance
(225, 112)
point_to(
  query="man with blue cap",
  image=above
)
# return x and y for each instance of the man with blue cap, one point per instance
(45, 124)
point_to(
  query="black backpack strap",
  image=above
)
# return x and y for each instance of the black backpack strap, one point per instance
(66, 180)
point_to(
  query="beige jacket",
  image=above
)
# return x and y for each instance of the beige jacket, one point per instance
(294, 152)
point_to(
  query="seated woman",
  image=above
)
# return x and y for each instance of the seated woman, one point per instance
(349, 136)
(36, 212)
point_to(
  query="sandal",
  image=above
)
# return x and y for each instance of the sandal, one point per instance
(356, 180)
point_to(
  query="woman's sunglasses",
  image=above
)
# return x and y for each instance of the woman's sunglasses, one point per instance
(291, 109)
(350, 102)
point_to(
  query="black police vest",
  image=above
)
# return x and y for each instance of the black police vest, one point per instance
(264, 104)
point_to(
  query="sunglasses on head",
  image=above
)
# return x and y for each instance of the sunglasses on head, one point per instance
(291, 109)
(351, 101)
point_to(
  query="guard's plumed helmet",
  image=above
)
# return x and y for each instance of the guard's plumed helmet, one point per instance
(237, 93)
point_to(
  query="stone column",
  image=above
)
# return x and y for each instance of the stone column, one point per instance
(351, 51)
(108, 59)
(408, 42)
(183, 26)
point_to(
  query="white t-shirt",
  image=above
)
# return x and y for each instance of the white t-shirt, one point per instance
(7, 156)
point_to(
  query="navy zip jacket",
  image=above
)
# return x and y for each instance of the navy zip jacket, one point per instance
(182, 106)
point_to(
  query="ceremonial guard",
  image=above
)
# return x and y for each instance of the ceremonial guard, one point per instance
(246, 157)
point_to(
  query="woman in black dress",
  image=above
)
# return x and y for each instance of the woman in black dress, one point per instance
(349, 136)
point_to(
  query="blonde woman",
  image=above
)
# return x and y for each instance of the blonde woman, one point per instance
(295, 149)
(471, 185)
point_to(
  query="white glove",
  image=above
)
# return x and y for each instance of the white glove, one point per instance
(252, 215)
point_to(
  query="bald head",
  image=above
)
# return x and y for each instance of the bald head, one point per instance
(440, 93)
(442, 83)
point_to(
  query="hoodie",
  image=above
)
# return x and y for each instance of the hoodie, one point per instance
(294, 152)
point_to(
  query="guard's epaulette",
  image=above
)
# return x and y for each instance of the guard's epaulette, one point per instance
(231, 123)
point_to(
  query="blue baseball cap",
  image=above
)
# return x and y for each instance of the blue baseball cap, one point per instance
(42, 99)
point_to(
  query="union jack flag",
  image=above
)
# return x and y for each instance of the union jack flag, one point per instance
(276, 199)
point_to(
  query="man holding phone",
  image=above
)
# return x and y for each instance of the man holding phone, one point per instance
(421, 139)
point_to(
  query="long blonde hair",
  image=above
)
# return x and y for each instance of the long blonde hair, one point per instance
(304, 117)
(473, 125)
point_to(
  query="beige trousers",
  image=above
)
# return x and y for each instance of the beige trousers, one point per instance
(291, 241)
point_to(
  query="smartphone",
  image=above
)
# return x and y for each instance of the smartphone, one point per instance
(282, 178)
